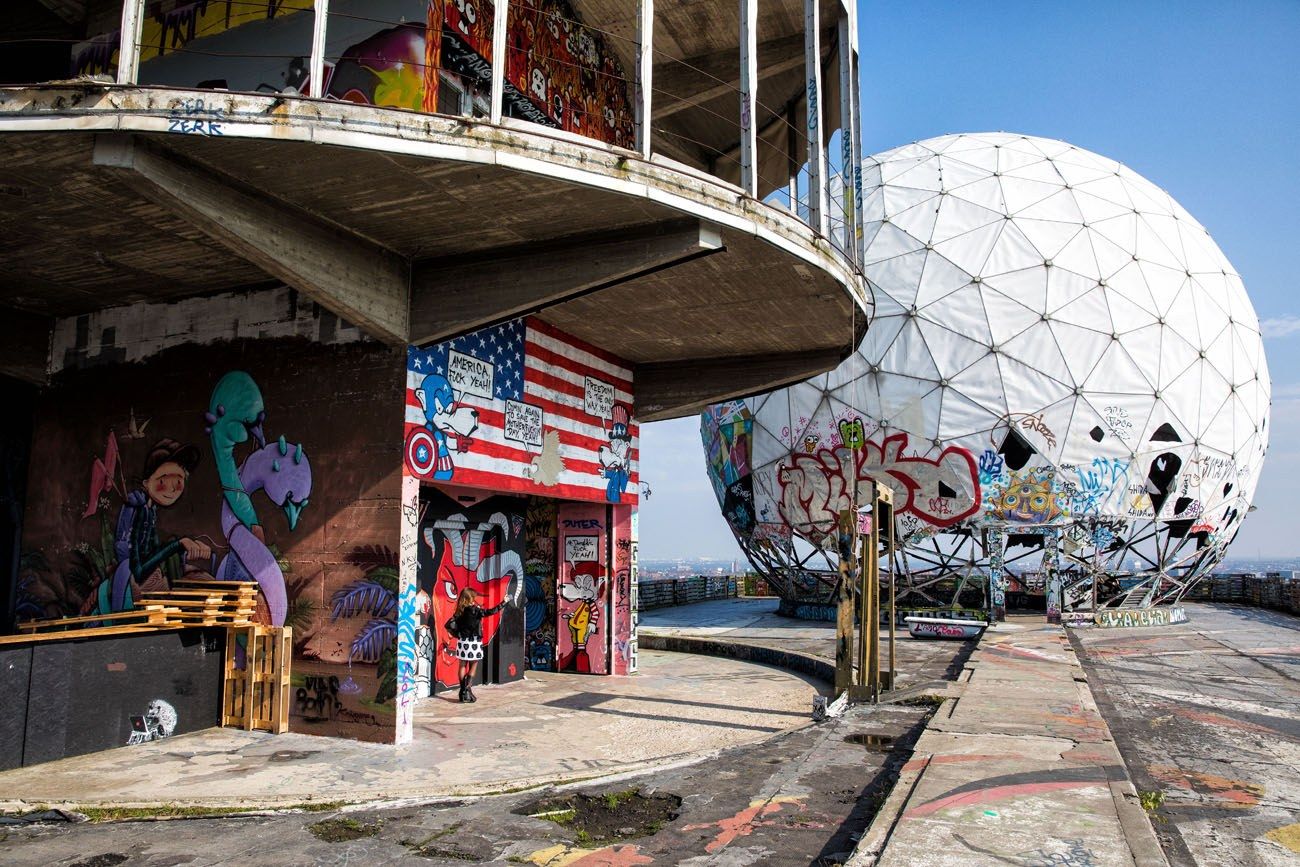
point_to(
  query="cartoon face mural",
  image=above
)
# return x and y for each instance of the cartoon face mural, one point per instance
(1028, 498)
(615, 459)
(447, 428)
(140, 554)
(583, 590)
(522, 408)
(481, 555)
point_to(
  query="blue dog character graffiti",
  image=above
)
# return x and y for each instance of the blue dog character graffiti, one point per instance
(615, 458)
(449, 425)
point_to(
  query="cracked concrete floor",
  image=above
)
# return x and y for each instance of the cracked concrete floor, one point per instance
(1208, 714)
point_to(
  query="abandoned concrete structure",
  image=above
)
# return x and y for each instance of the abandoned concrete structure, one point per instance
(316, 293)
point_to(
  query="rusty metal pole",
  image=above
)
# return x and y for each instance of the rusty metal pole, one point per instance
(872, 626)
(893, 617)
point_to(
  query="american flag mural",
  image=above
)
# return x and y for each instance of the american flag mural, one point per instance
(522, 408)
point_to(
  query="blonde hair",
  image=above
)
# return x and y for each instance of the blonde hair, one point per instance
(466, 598)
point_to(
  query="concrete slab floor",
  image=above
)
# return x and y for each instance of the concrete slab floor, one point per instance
(1207, 715)
(548, 728)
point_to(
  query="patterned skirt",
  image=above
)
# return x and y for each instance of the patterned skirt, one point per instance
(469, 649)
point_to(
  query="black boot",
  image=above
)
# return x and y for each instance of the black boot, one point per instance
(464, 689)
(469, 690)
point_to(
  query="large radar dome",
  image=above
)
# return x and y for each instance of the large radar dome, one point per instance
(1062, 365)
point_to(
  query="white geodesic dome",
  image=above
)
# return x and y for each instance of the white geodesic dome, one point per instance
(1058, 348)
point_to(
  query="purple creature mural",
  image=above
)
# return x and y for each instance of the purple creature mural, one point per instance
(282, 471)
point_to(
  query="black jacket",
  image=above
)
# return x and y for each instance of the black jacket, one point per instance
(469, 623)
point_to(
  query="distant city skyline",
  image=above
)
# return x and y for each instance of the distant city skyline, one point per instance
(1131, 82)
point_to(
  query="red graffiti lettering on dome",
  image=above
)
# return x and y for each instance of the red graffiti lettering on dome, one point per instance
(940, 491)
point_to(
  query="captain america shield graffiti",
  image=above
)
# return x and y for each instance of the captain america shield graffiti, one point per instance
(421, 452)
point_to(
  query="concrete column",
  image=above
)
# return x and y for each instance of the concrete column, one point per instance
(1051, 572)
(407, 615)
(995, 546)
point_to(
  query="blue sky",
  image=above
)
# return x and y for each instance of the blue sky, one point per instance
(1201, 98)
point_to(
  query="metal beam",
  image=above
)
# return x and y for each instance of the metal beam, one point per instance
(681, 388)
(748, 96)
(359, 281)
(128, 50)
(645, 70)
(696, 80)
(453, 296)
(813, 91)
(25, 345)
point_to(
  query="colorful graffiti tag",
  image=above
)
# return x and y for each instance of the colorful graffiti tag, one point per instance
(815, 488)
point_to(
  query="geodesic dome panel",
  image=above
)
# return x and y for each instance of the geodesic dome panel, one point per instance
(1057, 344)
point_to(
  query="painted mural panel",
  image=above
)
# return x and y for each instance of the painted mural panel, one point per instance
(539, 584)
(624, 568)
(522, 408)
(584, 590)
(478, 547)
(559, 73)
(237, 460)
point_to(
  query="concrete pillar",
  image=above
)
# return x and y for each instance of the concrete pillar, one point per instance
(994, 548)
(407, 613)
(1051, 572)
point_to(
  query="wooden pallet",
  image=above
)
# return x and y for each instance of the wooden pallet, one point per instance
(256, 697)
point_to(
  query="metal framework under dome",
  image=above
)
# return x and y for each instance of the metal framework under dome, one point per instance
(1064, 375)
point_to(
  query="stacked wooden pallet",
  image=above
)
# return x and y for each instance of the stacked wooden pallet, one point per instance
(146, 617)
(210, 603)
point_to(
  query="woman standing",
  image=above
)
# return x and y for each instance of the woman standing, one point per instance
(466, 626)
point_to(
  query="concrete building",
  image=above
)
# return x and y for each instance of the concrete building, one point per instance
(317, 294)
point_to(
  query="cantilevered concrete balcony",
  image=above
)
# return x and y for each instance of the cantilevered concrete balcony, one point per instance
(680, 214)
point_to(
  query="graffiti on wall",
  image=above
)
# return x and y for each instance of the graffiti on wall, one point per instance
(583, 590)
(816, 487)
(165, 493)
(157, 722)
(468, 553)
(559, 73)
(621, 591)
(277, 469)
(522, 408)
(539, 585)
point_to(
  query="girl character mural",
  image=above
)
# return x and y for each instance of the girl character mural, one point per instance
(140, 552)
(466, 626)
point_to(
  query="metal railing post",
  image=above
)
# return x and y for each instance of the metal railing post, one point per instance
(645, 27)
(849, 156)
(316, 81)
(748, 96)
(812, 43)
(499, 20)
(128, 50)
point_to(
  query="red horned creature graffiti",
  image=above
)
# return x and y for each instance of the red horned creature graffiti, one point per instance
(815, 488)
(472, 556)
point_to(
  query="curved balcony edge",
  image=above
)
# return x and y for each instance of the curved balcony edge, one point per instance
(110, 108)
